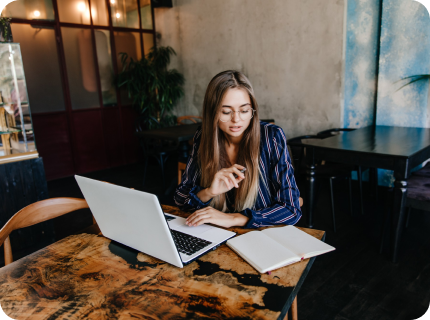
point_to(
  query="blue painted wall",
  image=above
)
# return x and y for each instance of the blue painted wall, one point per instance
(362, 18)
(404, 51)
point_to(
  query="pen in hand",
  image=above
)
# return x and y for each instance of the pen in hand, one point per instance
(243, 170)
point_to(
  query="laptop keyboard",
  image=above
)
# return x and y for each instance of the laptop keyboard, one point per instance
(188, 244)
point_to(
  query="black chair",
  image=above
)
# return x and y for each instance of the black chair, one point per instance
(418, 197)
(329, 172)
(158, 149)
(334, 132)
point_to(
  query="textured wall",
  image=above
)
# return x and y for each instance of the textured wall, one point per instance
(360, 62)
(291, 50)
(405, 51)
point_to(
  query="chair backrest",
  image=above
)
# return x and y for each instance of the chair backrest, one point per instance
(35, 213)
(187, 119)
(298, 150)
(271, 121)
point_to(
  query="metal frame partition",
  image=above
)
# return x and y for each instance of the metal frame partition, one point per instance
(102, 115)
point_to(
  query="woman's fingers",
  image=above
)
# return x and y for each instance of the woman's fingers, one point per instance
(227, 182)
(200, 220)
(233, 179)
(197, 216)
(238, 173)
(238, 166)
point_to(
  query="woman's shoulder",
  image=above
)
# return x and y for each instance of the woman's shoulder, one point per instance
(271, 132)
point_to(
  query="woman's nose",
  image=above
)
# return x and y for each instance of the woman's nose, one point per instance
(236, 117)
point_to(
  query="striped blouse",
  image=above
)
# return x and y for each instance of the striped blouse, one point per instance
(278, 195)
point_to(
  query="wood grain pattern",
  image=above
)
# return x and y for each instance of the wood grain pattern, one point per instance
(89, 276)
(36, 213)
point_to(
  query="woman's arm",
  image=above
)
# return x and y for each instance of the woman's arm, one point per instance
(285, 209)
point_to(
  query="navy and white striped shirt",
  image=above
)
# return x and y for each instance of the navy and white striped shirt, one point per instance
(278, 195)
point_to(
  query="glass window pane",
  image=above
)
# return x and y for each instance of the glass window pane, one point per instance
(74, 11)
(145, 14)
(81, 71)
(104, 58)
(15, 111)
(40, 57)
(30, 9)
(128, 42)
(124, 13)
(148, 42)
(99, 12)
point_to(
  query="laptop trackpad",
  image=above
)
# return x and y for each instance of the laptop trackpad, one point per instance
(182, 227)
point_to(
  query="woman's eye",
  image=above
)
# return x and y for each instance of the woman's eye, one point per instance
(226, 112)
(244, 111)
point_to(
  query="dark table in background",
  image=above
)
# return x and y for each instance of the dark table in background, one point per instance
(386, 147)
(181, 134)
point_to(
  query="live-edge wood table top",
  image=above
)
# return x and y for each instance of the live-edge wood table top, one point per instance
(88, 276)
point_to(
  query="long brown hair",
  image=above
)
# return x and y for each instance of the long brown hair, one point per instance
(212, 152)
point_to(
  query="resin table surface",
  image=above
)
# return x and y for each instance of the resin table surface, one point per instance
(87, 276)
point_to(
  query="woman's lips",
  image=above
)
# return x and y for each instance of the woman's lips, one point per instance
(235, 128)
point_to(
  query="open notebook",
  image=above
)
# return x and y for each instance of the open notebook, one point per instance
(277, 247)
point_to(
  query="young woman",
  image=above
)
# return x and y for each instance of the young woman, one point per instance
(231, 139)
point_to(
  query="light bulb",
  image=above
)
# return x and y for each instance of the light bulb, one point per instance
(112, 1)
(117, 15)
(81, 6)
(36, 13)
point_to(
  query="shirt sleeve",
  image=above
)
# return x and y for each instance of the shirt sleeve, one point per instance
(186, 193)
(285, 206)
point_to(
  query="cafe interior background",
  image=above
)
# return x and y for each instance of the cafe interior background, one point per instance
(314, 65)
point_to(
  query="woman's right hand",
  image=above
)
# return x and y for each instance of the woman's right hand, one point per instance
(224, 180)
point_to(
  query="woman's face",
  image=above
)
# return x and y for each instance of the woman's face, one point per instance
(235, 106)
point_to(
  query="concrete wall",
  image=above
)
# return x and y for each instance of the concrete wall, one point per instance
(291, 51)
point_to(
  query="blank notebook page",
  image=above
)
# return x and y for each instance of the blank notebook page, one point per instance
(261, 250)
(299, 242)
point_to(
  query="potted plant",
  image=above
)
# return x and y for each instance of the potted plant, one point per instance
(5, 30)
(412, 79)
(153, 88)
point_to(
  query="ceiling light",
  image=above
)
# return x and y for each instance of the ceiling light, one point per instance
(117, 15)
(112, 1)
(36, 13)
(81, 6)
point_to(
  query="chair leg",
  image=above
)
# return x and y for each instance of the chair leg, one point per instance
(350, 197)
(8, 259)
(332, 204)
(144, 171)
(294, 309)
(360, 185)
(408, 215)
(386, 220)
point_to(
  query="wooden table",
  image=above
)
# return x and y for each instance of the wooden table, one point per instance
(393, 148)
(88, 276)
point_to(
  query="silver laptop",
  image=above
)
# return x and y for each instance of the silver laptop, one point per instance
(135, 219)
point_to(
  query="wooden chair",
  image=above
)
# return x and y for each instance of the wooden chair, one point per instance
(184, 119)
(35, 213)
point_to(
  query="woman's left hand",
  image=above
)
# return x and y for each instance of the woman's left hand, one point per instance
(214, 216)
